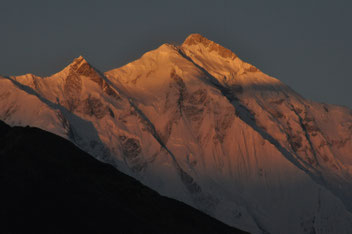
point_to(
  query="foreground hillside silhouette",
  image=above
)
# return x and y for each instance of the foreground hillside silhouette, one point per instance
(48, 185)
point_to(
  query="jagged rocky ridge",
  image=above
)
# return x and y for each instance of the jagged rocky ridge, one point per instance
(50, 186)
(198, 124)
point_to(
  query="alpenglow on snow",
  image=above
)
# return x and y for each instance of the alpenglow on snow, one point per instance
(198, 124)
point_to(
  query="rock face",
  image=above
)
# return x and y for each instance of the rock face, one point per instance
(198, 124)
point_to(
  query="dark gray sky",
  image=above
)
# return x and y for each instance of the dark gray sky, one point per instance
(304, 43)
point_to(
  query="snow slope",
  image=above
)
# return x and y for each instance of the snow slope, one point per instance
(198, 124)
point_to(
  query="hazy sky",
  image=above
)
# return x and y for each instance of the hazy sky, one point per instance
(307, 44)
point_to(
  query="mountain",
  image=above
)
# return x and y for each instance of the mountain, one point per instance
(51, 186)
(196, 123)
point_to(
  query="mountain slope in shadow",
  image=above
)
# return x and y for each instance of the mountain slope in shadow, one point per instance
(48, 185)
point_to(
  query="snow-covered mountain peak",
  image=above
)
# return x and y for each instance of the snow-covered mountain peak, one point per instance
(81, 67)
(79, 61)
(152, 69)
(200, 42)
(159, 54)
(220, 62)
(198, 124)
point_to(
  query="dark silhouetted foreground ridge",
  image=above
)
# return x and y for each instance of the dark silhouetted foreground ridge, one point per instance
(48, 185)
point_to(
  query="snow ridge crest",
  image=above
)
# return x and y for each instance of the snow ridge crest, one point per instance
(197, 39)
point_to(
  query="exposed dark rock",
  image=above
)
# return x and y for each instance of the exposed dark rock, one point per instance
(194, 105)
(131, 150)
(181, 87)
(94, 107)
(131, 147)
(277, 114)
(72, 91)
(168, 129)
(111, 113)
(66, 125)
(109, 91)
(278, 102)
(198, 97)
(222, 125)
(194, 113)
(295, 142)
(82, 67)
(188, 181)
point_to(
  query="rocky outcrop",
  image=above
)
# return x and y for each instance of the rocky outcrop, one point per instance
(72, 90)
(94, 107)
(131, 150)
